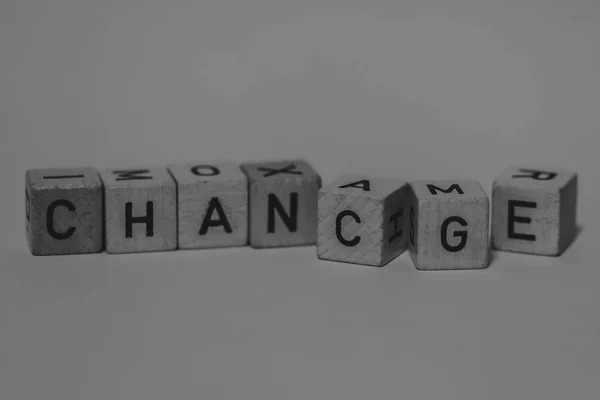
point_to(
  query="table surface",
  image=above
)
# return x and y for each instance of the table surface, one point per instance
(412, 90)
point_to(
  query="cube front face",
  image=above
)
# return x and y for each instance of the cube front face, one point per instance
(141, 210)
(449, 225)
(362, 220)
(534, 210)
(212, 200)
(64, 212)
(282, 203)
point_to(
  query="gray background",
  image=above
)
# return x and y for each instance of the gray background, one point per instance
(411, 89)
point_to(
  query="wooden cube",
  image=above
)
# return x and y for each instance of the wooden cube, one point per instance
(362, 220)
(141, 210)
(63, 211)
(282, 203)
(212, 203)
(449, 225)
(534, 210)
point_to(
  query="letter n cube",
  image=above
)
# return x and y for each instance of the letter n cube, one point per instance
(362, 220)
(534, 210)
(282, 203)
(449, 225)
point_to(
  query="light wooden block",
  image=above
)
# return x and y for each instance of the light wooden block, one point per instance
(212, 203)
(449, 225)
(282, 203)
(534, 210)
(63, 210)
(140, 210)
(362, 220)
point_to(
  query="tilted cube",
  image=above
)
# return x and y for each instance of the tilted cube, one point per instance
(64, 211)
(534, 210)
(449, 225)
(282, 203)
(362, 220)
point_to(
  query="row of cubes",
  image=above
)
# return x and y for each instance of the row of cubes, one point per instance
(355, 218)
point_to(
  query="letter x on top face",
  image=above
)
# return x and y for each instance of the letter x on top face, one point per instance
(279, 170)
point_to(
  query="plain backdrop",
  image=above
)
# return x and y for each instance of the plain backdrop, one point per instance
(412, 89)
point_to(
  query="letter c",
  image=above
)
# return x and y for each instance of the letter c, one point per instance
(338, 228)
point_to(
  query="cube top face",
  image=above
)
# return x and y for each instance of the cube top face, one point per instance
(363, 185)
(136, 176)
(448, 190)
(277, 171)
(537, 178)
(217, 171)
(64, 211)
(62, 178)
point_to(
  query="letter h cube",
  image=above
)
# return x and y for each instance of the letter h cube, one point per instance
(141, 210)
(449, 225)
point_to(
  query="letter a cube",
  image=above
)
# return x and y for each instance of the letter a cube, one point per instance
(362, 220)
(282, 203)
(212, 204)
(534, 210)
(63, 209)
(449, 225)
(141, 210)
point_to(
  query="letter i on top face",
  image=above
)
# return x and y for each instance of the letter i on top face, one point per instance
(282, 203)
(140, 210)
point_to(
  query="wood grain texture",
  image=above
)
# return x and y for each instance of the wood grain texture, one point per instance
(282, 203)
(362, 220)
(64, 212)
(534, 210)
(212, 204)
(449, 225)
(141, 210)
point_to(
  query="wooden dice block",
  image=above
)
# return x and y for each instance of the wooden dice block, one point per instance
(212, 203)
(63, 211)
(141, 210)
(449, 225)
(282, 203)
(534, 210)
(362, 220)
